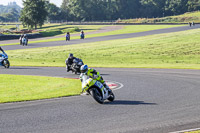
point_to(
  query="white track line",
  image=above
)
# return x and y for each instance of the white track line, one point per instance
(189, 130)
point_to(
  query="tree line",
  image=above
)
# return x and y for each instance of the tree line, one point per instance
(36, 12)
(113, 9)
(10, 13)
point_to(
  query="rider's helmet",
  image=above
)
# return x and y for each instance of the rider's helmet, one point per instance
(84, 69)
(71, 56)
(24, 35)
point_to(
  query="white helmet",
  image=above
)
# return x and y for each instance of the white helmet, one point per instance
(84, 69)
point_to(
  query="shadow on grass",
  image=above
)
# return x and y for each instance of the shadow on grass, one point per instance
(126, 102)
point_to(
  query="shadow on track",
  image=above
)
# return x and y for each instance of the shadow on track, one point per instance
(126, 102)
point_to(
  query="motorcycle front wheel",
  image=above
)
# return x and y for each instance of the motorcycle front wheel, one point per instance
(111, 97)
(6, 63)
(96, 94)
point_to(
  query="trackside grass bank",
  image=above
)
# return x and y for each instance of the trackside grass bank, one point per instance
(172, 50)
(126, 29)
(15, 88)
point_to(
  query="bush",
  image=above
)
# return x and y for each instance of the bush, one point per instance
(58, 32)
(71, 30)
(50, 33)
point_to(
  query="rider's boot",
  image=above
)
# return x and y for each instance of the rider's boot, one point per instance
(107, 87)
(68, 69)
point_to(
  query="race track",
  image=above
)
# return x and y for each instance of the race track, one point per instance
(104, 38)
(151, 101)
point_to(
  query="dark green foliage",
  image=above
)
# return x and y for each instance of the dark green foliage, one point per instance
(59, 31)
(9, 13)
(34, 13)
(86, 10)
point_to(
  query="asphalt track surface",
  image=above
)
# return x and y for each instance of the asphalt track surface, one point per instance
(151, 101)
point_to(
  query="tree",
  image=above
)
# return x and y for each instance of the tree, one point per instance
(193, 5)
(64, 9)
(34, 13)
(175, 7)
(128, 8)
(54, 12)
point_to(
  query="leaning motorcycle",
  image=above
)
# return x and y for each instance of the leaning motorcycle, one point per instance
(96, 89)
(4, 60)
(75, 67)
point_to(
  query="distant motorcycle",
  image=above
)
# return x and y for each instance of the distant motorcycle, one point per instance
(82, 36)
(96, 89)
(76, 65)
(4, 60)
(24, 41)
(67, 36)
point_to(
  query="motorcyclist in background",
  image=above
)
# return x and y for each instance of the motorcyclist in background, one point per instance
(1, 54)
(25, 36)
(82, 34)
(92, 73)
(69, 61)
(20, 39)
(2, 51)
(67, 36)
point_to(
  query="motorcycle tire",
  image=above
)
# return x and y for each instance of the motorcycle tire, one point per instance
(96, 94)
(111, 97)
(7, 64)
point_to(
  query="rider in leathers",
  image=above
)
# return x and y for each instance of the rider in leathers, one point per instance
(92, 73)
(1, 54)
(69, 61)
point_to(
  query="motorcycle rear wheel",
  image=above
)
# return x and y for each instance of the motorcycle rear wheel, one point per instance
(97, 95)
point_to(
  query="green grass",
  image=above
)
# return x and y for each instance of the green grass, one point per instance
(55, 29)
(134, 29)
(172, 50)
(15, 88)
(183, 18)
(126, 29)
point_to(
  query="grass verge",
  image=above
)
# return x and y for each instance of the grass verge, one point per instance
(183, 18)
(15, 88)
(126, 29)
(172, 50)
